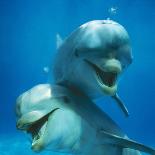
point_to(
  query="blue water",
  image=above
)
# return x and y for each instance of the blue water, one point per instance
(27, 44)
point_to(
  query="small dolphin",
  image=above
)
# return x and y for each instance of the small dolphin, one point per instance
(63, 117)
(65, 121)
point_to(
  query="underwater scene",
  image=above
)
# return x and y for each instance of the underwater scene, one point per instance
(31, 32)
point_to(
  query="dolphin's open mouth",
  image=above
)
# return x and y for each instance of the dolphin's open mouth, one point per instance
(104, 77)
(37, 128)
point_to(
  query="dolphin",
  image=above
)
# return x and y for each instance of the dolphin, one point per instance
(63, 116)
(67, 121)
(93, 58)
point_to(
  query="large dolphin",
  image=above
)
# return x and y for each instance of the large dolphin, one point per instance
(63, 117)
(93, 57)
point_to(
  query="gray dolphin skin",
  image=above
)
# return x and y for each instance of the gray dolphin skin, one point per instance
(63, 116)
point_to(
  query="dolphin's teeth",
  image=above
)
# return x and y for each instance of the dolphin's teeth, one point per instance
(36, 137)
(39, 133)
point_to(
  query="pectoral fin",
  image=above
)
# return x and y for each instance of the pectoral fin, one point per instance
(126, 143)
(121, 104)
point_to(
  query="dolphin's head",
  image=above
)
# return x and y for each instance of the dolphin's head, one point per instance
(51, 124)
(102, 52)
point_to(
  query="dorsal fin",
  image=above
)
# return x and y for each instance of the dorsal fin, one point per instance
(59, 40)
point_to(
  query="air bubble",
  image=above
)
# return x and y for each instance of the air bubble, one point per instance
(46, 69)
(113, 10)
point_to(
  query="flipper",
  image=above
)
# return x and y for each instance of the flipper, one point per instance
(121, 104)
(126, 143)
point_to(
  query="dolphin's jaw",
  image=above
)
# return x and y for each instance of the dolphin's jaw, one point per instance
(107, 80)
(37, 130)
(37, 144)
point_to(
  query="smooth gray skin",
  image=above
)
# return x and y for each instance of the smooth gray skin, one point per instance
(74, 123)
(104, 43)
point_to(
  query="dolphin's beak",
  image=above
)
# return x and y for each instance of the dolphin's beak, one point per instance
(107, 75)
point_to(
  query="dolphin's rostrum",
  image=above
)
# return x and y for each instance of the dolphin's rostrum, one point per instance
(63, 117)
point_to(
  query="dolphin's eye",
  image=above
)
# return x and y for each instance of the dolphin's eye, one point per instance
(66, 99)
(76, 53)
